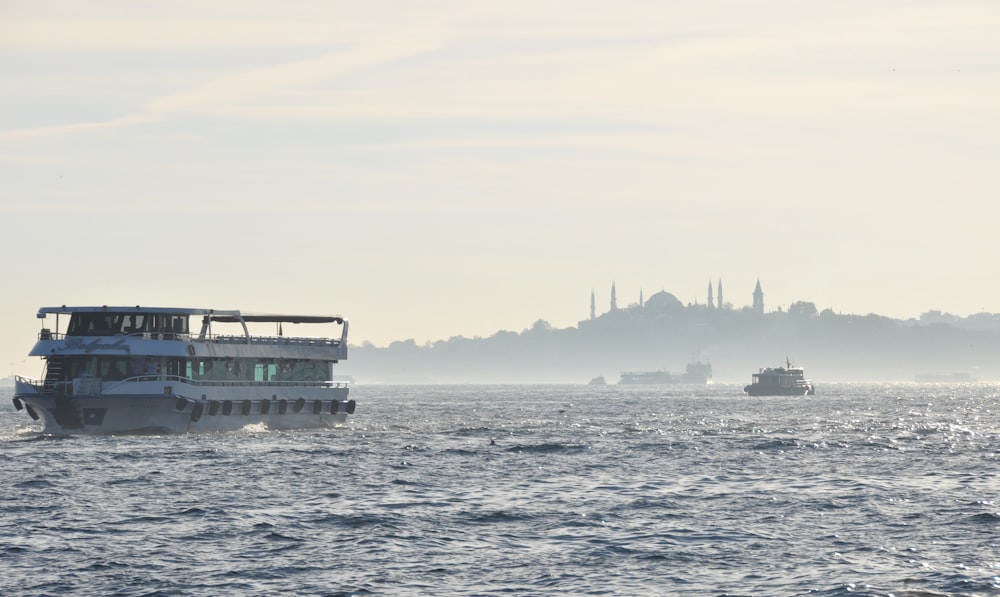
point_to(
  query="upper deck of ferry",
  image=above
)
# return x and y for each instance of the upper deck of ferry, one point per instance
(88, 324)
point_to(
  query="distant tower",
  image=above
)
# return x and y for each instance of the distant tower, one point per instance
(593, 306)
(640, 298)
(711, 301)
(758, 298)
(614, 298)
(720, 294)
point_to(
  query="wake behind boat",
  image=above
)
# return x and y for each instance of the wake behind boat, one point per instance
(142, 370)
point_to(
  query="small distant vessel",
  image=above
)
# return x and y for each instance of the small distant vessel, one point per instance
(958, 377)
(143, 370)
(780, 381)
(598, 381)
(646, 377)
(697, 373)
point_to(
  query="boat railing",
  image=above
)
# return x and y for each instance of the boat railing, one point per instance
(229, 382)
(50, 335)
(37, 384)
(273, 340)
(44, 386)
(90, 385)
(46, 334)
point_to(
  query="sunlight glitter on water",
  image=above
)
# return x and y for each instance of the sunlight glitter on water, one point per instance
(465, 490)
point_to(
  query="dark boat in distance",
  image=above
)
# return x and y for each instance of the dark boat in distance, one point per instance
(695, 373)
(780, 381)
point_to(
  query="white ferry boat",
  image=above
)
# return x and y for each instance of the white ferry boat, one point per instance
(119, 370)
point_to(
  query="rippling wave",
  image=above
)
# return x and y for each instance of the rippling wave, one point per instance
(534, 490)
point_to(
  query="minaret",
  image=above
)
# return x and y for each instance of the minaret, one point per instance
(711, 301)
(593, 305)
(719, 296)
(614, 298)
(758, 298)
(640, 298)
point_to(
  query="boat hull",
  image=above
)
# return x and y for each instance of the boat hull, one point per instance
(114, 414)
(759, 390)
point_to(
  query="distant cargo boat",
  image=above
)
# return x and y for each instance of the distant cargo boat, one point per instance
(780, 381)
(696, 373)
(646, 378)
(960, 377)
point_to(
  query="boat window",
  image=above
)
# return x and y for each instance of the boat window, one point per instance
(133, 323)
(179, 324)
(144, 366)
(110, 324)
(170, 326)
(285, 370)
(258, 370)
(112, 368)
(95, 324)
(70, 367)
(227, 369)
(324, 371)
(83, 367)
(239, 368)
(204, 369)
(175, 366)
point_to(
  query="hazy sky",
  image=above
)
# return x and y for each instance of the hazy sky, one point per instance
(432, 169)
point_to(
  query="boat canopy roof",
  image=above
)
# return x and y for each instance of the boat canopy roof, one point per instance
(223, 316)
(278, 318)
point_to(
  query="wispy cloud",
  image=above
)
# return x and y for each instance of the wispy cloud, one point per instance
(231, 91)
(256, 82)
(74, 128)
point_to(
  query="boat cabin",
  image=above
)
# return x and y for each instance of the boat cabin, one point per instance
(112, 344)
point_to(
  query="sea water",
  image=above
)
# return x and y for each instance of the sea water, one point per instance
(525, 490)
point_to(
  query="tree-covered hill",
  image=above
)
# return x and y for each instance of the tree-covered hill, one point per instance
(658, 336)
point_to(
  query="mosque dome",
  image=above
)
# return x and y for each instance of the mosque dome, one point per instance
(663, 300)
